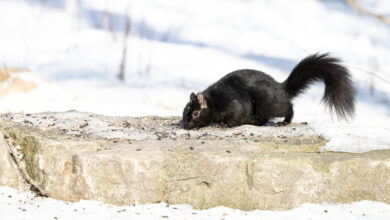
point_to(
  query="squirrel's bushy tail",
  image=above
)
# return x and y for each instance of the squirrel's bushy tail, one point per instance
(339, 90)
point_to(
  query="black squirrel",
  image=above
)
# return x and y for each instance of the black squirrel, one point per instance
(253, 97)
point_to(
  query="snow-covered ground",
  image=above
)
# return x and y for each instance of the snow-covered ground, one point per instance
(73, 52)
(70, 52)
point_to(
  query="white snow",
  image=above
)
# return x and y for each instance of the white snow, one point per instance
(176, 47)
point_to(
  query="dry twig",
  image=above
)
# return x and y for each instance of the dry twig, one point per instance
(121, 74)
(369, 72)
(359, 8)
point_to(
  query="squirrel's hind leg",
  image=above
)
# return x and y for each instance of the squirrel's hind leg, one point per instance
(287, 118)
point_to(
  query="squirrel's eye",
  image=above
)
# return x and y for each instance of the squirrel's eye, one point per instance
(195, 113)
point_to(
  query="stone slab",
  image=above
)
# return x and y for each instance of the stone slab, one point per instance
(127, 160)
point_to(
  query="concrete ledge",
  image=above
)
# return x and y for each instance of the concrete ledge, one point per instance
(124, 160)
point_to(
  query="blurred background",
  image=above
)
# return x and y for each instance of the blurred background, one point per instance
(142, 57)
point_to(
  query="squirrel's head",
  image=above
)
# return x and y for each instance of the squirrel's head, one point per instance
(196, 114)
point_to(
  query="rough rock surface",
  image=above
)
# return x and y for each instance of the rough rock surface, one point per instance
(8, 172)
(126, 160)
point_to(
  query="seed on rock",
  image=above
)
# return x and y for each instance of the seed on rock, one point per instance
(126, 124)
(83, 125)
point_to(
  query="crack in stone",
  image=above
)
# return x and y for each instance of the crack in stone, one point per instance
(249, 177)
(33, 186)
(188, 178)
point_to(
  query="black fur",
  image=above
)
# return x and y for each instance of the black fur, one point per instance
(253, 97)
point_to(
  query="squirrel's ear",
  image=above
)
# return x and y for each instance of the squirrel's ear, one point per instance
(201, 100)
(192, 97)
